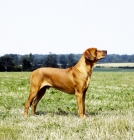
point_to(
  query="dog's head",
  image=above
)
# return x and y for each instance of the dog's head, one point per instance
(93, 54)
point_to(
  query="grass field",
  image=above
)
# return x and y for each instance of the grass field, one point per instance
(109, 110)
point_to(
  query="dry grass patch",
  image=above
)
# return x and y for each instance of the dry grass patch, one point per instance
(115, 65)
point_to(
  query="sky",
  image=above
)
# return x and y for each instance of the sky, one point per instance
(66, 26)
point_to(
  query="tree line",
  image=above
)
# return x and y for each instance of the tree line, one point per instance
(30, 62)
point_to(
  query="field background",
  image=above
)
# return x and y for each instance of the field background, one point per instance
(109, 110)
(114, 67)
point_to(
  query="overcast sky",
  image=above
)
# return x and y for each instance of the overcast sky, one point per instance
(66, 26)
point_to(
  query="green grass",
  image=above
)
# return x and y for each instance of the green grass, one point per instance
(109, 110)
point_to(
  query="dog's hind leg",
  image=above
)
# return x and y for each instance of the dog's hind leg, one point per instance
(32, 95)
(38, 97)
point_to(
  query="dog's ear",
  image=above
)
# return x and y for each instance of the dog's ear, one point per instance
(88, 55)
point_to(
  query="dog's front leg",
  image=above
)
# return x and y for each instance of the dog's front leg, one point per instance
(81, 104)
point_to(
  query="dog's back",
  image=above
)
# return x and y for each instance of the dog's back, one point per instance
(60, 79)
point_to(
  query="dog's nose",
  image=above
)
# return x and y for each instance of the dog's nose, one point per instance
(105, 51)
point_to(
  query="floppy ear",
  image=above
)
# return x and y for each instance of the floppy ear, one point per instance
(88, 55)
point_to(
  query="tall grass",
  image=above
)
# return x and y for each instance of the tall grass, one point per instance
(109, 110)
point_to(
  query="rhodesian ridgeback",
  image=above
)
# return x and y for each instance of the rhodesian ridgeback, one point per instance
(73, 80)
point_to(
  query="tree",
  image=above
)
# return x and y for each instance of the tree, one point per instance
(51, 61)
(63, 61)
(131, 58)
(6, 63)
(124, 58)
(71, 60)
(38, 60)
(26, 63)
(15, 58)
(31, 58)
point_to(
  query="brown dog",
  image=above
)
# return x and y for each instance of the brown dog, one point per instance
(73, 80)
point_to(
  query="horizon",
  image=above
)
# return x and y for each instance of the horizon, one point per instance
(57, 54)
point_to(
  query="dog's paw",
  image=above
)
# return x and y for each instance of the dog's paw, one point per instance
(82, 116)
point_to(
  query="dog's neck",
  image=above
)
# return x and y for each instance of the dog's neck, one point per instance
(84, 63)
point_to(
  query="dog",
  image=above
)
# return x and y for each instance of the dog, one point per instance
(73, 80)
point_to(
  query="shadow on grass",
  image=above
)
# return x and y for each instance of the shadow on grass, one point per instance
(63, 113)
